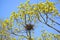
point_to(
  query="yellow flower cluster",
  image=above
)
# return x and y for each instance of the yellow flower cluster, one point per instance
(44, 35)
(4, 25)
(47, 7)
(31, 10)
(6, 21)
(39, 38)
(13, 38)
(34, 9)
(14, 15)
(2, 32)
(57, 36)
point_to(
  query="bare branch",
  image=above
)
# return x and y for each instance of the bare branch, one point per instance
(46, 18)
(52, 28)
(42, 17)
(54, 21)
(29, 35)
(25, 18)
(49, 26)
(18, 35)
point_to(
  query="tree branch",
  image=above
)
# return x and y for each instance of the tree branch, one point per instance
(52, 28)
(18, 35)
(54, 21)
(29, 35)
(25, 19)
(49, 26)
(42, 17)
(46, 18)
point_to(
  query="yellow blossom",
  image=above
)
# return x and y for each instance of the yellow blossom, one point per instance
(16, 29)
(50, 38)
(3, 32)
(46, 39)
(13, 39)
(50, 3)
(30, 13)
(41, 5)
(14, 15)
(11, 17)
(55, 12)
(35, 9)
(32, 39)
(50, 9)
(45, 10)
(39, 38)
(58, 14)
(4, 25)
(44, 34)
(6, 21)
(57, 36)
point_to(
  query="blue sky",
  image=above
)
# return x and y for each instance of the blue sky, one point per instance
(7, 6)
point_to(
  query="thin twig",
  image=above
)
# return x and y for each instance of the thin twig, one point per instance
(18, 35)
(25, 24)
(49, 26)
(42, 17)
(29, 35)
(54, 21)
(46, 18)
(29, 18)
(53, 28)
(25, 19)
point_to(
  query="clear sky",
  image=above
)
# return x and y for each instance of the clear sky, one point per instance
(7, 6)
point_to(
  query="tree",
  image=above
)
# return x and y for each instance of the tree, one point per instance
(21, 22)
(4, 35)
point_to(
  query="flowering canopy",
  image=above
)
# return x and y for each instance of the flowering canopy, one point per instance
(26, 14)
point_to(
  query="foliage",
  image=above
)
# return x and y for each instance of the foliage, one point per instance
(21, 22)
